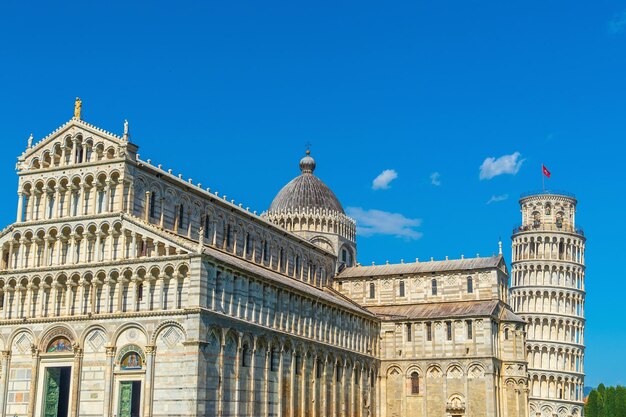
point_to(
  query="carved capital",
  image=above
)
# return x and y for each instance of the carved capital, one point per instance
(78, 352)
(110, 351)
(151, 349)
(34, 351)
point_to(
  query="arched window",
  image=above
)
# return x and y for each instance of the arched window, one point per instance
(372, 290)
(433, 284)
(401, 289)
(181, 216)
(415, 383)
(536, 219)
(506, 334)
(153, 204)
(273, 360)
(319, 368)
(245, 356)
(266, 252)
(207, 225)
(346, 257)
(470, 285)
(298, 364)
(559, 220)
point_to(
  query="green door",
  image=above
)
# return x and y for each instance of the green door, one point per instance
(53, 383)
(126, 399)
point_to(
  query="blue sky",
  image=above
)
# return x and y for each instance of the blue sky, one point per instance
(229, 93)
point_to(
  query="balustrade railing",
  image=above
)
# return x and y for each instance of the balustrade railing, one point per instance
(548, 227)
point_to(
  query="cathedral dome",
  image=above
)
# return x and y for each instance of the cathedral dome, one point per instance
(305, 192)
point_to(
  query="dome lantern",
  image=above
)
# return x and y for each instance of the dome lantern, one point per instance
(307, 164)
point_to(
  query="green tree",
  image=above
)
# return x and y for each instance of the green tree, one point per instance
(610, 402)
(620, 401)
(606, 402)
(593, 407)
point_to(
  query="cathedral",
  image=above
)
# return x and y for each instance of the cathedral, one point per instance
(129, 291)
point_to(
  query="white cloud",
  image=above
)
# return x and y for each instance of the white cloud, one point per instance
(497, 198)
(506, 164)
(618, 23)
(435, 179)
(378, 222)
(381, 182)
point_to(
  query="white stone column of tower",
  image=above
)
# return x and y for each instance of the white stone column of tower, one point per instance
(548, 292)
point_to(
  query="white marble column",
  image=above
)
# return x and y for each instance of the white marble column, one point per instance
(149, 390)
(220, 389)
(20, 202)
(75, 384)
(108, 382)
(68, 296)
(29, 301)
(237, 378)
(266, 377)
(6, 359)
(251, 392)
(34, 371)
(160, 290)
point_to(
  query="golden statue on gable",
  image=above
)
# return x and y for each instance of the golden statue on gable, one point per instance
(78, 104)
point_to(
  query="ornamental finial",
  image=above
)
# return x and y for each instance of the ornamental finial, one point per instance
(78, 104)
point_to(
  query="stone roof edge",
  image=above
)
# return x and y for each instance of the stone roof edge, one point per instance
(348, 299)
(499, 258)
(229, 204)
(491, 312)
(512, 314)
(286, 280)
(207, 249)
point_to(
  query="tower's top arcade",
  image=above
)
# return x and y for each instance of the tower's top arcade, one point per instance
(548, 210)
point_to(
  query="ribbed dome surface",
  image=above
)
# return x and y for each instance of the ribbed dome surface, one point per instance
(306, 191)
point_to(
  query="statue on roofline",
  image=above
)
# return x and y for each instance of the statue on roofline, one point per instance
(78, 104)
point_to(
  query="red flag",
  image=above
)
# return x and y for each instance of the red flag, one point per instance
(545, 171)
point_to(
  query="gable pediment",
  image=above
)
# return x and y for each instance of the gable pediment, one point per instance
(56, 148)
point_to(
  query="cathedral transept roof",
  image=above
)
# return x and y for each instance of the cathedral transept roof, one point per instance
(422, 267)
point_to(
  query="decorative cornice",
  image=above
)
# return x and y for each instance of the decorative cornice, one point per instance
(100, 316)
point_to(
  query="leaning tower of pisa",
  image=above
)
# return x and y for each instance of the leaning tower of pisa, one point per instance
(548, 292)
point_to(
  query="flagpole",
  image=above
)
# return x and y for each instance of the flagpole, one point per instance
(543, 180)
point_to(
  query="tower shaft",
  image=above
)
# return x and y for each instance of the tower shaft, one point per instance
(548, 292)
